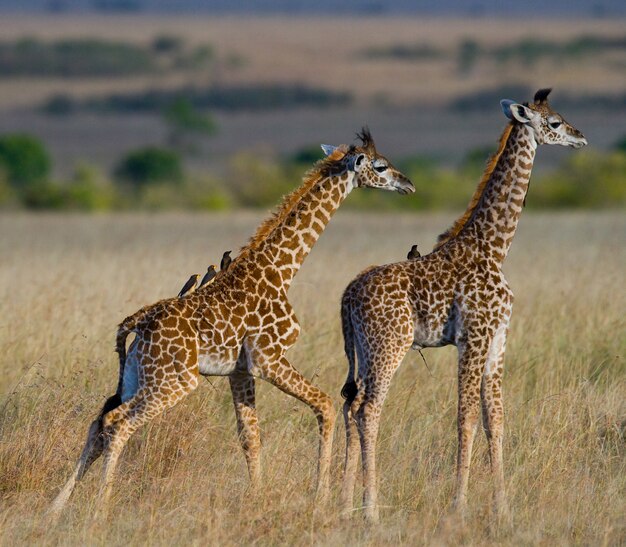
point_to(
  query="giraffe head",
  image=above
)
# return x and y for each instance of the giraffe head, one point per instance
(370, 168)
(548, 126)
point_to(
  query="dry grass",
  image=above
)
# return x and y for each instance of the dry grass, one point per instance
(66, 281)
(323, 52)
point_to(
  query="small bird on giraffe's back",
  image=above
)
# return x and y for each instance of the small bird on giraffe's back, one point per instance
(190, 286)
(205, 334)
(413, 253)
(226, 260)
(208, 276)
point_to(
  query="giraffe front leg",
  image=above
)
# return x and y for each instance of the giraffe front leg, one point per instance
(280, 373)
(471, 366)
(243, 390)
(493, 419)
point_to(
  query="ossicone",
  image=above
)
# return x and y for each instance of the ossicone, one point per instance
(366, 139)
(541, 97)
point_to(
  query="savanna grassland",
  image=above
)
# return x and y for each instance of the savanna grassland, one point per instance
(65, 281)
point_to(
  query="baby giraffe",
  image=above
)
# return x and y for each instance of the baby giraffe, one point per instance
(457, 295)
(240, 325)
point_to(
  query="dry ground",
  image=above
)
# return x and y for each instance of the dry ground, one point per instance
(66, 281)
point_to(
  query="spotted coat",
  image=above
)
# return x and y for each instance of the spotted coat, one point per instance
(238, 326)
(456, 295)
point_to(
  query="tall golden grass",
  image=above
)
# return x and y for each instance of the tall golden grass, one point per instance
(66, 281)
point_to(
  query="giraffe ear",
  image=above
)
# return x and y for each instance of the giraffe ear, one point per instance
(516, 112)
(356, 163)
(328, 148)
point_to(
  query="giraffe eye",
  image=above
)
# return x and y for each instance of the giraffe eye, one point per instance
(554, 125)
(380, 168)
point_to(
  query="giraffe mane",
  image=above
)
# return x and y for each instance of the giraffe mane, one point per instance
(460, 222)
(291, 200)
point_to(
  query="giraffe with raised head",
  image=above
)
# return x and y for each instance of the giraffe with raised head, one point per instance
(238, 326)
(457, 295)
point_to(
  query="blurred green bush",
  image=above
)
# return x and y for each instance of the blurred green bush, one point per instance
(153, 178)
(149, 166)
(24, 159)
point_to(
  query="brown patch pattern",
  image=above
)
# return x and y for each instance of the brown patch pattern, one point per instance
(239, 326)
(457, 295)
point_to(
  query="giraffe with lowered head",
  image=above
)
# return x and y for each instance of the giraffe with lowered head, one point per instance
(238, 326)
(457, 295)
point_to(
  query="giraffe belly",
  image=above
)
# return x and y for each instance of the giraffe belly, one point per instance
(433, 335)
(216, 364)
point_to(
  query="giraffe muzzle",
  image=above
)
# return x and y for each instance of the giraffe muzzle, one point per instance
(405, 187)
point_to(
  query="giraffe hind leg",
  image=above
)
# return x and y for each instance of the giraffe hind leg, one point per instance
(367, 419)
(92, 450)
(119, 424)
(351, 460)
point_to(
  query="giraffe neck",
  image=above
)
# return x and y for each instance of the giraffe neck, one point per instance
(292, 239)
(494, 221)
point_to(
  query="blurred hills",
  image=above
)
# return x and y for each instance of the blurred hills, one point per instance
(477, 8)
(232, 106)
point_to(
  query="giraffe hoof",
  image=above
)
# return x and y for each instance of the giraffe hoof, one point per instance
(371, 515)
(501, 518)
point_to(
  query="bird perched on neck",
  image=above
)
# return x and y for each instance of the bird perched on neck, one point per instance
(190, 286)
(208, 276)
(226, 260)
(413, 253)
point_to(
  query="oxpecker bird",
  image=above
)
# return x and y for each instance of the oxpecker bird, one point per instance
(190, 286)
(208, 276)
(413, 253)
(226, 260)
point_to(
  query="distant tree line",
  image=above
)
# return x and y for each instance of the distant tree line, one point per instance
(218, 97)
(525, 51)
(88, 57)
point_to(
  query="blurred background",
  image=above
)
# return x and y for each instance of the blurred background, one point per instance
(187, 104)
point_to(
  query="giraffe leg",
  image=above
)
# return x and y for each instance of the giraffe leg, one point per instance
(493, 418)
(351, 461)
(243, 391)
(122, 422)
(471, 366)
(368, 421)
(91, 451)
(286, 378)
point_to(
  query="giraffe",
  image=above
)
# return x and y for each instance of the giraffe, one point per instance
(457, 295)
(238, 326)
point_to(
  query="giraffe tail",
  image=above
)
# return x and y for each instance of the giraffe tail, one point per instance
(125, 328)
(349, 389)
